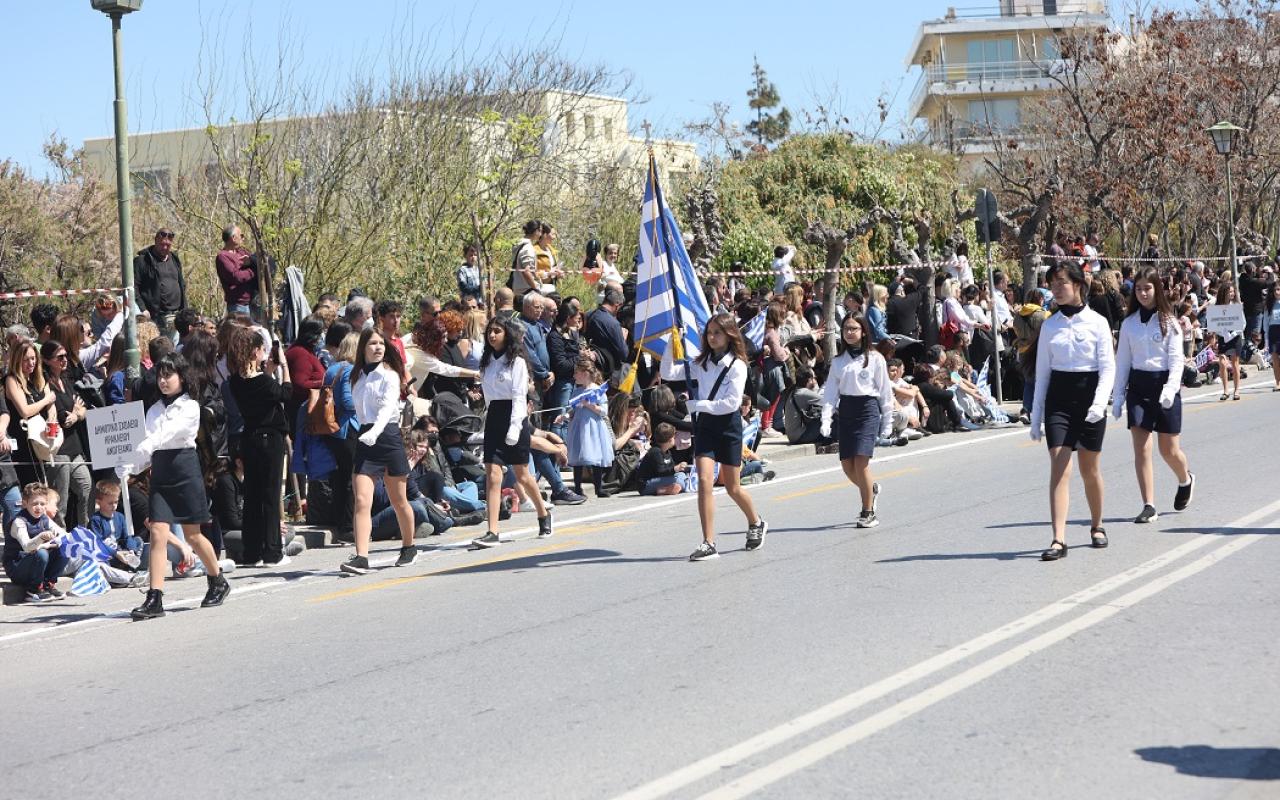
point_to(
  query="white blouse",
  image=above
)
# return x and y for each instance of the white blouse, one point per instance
(377, 399)
(728, 398)
(1143, 346)
(849, 376)
(171, 426)
(1079, 343)
(508, 381)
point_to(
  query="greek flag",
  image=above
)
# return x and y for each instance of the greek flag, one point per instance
(997, 413)
(89, 581)
(669, 298)
(83, 543)
(754, 332)
(751, 433)
(598, 395)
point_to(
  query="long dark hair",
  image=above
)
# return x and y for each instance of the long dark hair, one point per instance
(842, 346)
(1224, 286)
(1271, 295)
(737, 345)
(201, 352)
(1164, 308)
(390, 355)
(513, 344)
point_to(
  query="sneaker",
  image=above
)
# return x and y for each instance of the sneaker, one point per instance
(568, 497)
(53, 591)
(769, 475)
(875, 497)
(139, 579)
(1148, 514)
(408, 555)
(424, 530)
(504, 512)
(912, 434)
(965, 424)
(900, 441)
(466, 520)
(226, 565)
(296, 546)
(356, 565)
(38, 595)
(544, 526)
(705, 551)
(867, 519)
(772, 433)
(755, 534)
(490, 539)
(1183, 498)
(527, 505)
(283, 562)
(127, 559)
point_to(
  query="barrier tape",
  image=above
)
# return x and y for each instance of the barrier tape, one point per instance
(57, 293)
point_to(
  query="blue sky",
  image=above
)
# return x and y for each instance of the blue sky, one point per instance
(683, 55)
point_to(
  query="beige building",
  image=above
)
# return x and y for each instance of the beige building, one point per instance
(591, 131)
(981, 68)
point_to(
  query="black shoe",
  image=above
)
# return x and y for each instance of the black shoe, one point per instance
(568, 497)
(408, 555)
(151, 608)
(705, 551)
(544, 526)
(53, 591)
(1148, 514)
(1183, 498)
(356, 565)
(603, 492)
(504, 512)
(467, 520)
(218, 591)
(755, 534)
(490, 539)
(1056, 551)
(1098, 538)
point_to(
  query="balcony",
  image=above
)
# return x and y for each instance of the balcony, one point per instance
(1028, 8)
(981, 78)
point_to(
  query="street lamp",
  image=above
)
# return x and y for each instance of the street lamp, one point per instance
(116, 9)
(1224, 141)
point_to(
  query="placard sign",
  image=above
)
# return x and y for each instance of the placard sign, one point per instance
(1225, 320)
(115, 433)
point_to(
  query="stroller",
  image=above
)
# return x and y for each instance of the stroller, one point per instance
(461, 435)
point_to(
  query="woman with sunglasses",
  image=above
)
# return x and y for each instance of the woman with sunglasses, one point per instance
(69, 473)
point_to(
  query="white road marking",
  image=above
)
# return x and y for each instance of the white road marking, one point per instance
(834, 743)
(840, 707)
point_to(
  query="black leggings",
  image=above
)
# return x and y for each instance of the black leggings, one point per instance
(263, 455)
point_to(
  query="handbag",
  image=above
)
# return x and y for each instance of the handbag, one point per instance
(322, 419)
(43, 446)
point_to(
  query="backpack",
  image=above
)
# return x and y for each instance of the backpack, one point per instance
(322, 419)
(620, 476)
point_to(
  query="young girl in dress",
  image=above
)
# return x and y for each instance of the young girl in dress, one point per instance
(1074, 369)
(376, 378)
(589, 438)
(718, 377)
(1149, 382)
(504, 377)
(859, 391)
(177, 488)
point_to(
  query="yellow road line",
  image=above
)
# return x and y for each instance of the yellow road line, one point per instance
(390, 583)
(826, 487)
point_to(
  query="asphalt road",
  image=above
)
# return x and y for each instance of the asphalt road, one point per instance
(932, 657)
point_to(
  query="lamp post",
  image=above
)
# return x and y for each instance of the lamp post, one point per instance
(1224, 140)
(116, 9)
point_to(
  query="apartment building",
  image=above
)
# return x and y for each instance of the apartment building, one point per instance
(981, 68)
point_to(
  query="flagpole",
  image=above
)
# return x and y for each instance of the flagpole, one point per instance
(671, 273)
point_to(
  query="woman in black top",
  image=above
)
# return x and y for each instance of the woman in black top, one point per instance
(261, 400)
(69, 473)
(564, 344)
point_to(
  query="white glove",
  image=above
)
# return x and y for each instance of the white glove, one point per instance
(1166, 397)
(1117, 408)
(368, 438)
(1095, 415)
(124, 471)
(513, 436)
(825, 429)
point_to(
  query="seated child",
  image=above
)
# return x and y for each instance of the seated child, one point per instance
(108, 525)
(32, 554)
(657, 473)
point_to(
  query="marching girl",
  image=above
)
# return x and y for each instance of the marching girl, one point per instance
(1149, 363)
(504, 377)
(858, 385)
(1229, 351)
(718, 376)
(177, 488)
(376, 378)
(1074, 368)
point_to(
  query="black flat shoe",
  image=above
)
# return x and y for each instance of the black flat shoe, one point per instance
(1056, 551)
(1099, 537)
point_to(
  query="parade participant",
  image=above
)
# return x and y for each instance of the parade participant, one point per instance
(859, 384)
(376, 378)
(177, 496)
(1074, 369)
(504, 377)
(718, 377)
(1272, 329)
(1229, 351)
(1149, 382)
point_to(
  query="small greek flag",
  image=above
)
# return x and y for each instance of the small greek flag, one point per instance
(751, 433)
(81, 542)
(90, 581)
(997, 413)
(598, 395)
(754, 332)
(1204, 357)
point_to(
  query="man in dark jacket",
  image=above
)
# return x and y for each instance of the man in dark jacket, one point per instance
(159, 283)
(604, 333)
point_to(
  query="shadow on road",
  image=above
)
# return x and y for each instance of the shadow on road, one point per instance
(1204, 761)
(1222, 531)
(1010, 555)
(1044, 523)
(566, 558)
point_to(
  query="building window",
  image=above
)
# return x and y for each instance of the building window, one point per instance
(1049, 49)
(987, 57)
(998, 116)
(589, 126)
(608, 128)
(149, 181)
(567, 119)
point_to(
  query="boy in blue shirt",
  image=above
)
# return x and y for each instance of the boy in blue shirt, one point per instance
(109, 525)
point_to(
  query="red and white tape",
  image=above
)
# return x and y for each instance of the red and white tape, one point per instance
(56, 293)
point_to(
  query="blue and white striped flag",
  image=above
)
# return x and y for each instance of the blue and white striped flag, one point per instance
(89, 581)
(665, 280)
(598, 395)
(754, 332)
(751, 433)
(81, 542)
(997, 413)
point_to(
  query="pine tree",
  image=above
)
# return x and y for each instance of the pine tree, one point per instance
(767, 128)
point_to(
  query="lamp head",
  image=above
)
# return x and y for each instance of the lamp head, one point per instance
(114, 7)
(1224, 136)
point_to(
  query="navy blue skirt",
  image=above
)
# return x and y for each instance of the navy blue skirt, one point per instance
(1142, 400)
(385, 456)
(177, 488)
(1066, 407)
(859, 425)
(718, 436)
(497, 419)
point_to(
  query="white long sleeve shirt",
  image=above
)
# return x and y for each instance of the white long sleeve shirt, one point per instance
(508, 381)
(728, 397)
(1144, 346)
(377, 399)
(1079, 343)
(90, 353)
(171, 426)
(782, 271)
(849, 376)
